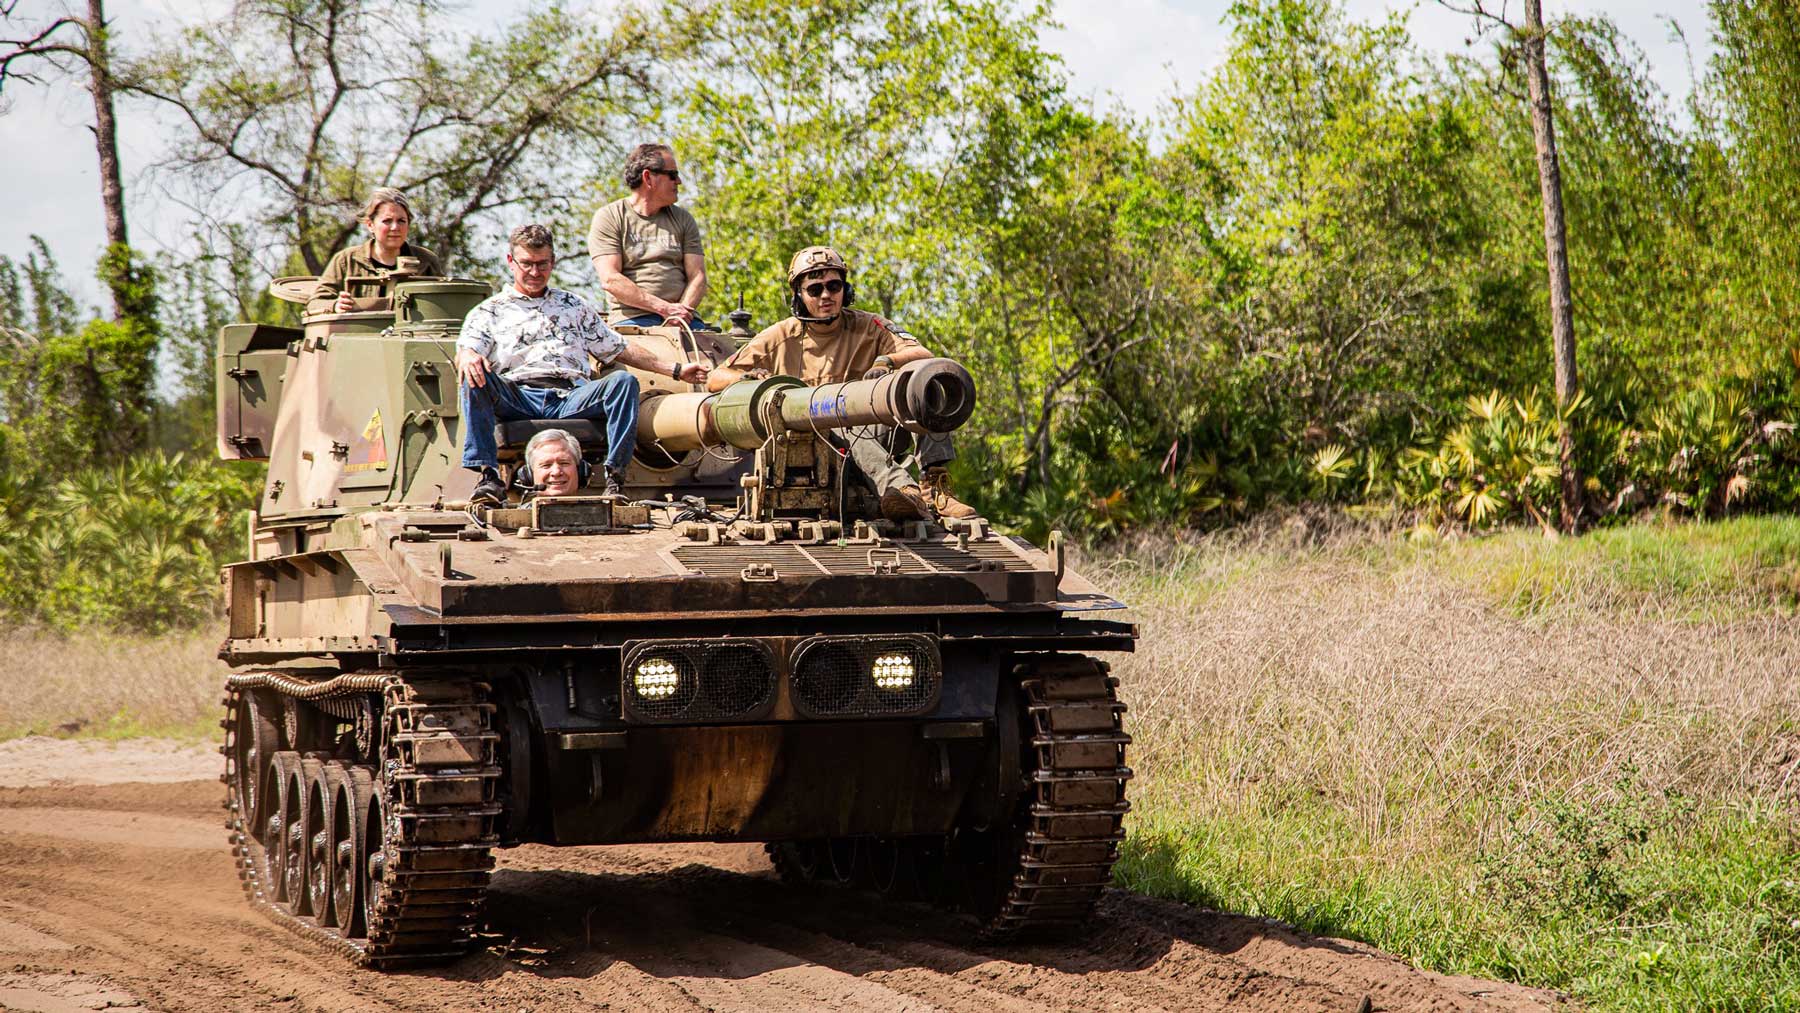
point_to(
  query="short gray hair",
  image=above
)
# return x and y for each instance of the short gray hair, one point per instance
(380, 196)
(531, 237)
(548, 436)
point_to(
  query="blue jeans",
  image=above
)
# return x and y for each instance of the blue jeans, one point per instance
(655, 320)
(611, 400)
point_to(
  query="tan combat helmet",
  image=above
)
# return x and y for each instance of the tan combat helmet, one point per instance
(815, 258)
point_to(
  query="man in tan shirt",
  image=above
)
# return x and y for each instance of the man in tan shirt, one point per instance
(647, 251)
(826, 341)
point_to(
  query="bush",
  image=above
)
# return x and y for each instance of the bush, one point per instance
(135, 545)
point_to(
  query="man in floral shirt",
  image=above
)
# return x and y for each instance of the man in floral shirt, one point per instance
(523, 354)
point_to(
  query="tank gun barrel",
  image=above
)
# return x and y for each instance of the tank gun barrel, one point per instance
(928, 396)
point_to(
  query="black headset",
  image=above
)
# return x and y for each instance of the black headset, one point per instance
(523, 480)
(799, 307)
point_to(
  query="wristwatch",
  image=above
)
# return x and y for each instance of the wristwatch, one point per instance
(675, 369)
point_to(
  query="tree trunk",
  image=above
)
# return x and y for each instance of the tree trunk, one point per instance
(1556, 256)
(106, 139)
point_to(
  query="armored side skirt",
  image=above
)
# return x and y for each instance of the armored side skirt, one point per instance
(767, 782)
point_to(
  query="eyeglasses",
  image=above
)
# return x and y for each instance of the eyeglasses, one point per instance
(819, 288)
(673, 174)
(533, 266)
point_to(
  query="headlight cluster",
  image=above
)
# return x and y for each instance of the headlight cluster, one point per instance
(698, 680)
(738, 679)
(865, 676)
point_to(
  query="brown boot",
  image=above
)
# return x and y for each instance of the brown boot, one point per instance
(935, 484)
(905, 503)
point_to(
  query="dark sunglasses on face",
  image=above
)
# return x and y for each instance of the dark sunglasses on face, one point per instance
(819, 288)
(674, 174)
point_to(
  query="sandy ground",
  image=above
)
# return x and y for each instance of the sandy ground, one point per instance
(36, 761)
(117, 891)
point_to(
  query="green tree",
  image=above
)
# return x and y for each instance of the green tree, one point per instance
(855, 124)
(1751, 111)
(295, 109)
(1340, 288)
(79, 390)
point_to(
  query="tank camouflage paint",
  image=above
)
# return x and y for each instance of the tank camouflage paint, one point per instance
(738, 649)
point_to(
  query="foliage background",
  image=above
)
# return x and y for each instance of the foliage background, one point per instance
(1315, 277)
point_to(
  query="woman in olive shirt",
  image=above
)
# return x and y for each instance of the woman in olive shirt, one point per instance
(344, 286)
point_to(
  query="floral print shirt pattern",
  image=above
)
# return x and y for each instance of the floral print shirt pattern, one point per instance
(547, 337)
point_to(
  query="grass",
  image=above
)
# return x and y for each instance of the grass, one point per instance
(1701, 571)
(113, 686)
(1570, 763)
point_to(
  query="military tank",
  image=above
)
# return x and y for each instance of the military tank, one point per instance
(736, 650)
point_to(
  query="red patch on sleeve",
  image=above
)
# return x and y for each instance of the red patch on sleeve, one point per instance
(888, 324)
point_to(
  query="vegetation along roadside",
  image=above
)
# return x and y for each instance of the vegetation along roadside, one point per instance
(1572, 763)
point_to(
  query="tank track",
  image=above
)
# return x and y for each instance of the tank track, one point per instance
(1048, 870)
(431, 803)
(1074, 806)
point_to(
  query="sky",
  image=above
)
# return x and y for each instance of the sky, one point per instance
(1133, 53)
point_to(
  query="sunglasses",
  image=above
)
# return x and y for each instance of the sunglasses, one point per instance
(673, 174)
(819, 288)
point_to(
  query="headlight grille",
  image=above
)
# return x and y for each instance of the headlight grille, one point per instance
(866, 676)
(715, 680)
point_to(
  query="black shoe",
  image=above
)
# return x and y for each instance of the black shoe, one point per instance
(612, 482)
(489, 490)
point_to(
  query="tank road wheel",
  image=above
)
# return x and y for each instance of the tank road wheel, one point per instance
(844, 860)
(893, 870)
(285, 806)
(320, 814)
(1049, 868)
(372, 871)
(926, 856)
(255, 738)
(351, 789)
(301, 832)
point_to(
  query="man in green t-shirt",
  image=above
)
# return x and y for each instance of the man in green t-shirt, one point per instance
(646, 250)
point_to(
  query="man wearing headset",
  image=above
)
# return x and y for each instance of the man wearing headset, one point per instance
(826, 341)
(553, 465)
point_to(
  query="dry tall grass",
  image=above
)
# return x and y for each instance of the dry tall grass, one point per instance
(112, 685)
(1395, 690)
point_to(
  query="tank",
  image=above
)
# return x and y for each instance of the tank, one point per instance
(737, 649)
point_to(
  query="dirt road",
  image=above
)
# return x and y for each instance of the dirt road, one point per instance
(123, 895)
